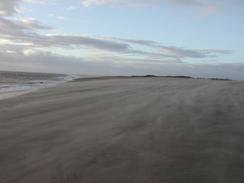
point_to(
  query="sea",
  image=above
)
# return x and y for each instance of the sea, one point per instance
(17, 83)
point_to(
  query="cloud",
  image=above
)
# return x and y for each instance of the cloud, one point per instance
(177, 52)
(30, 23)
(212, 10)
(25, 31)
(58, 17)
(206, 9)
(192, 53)
(20, 29)
(8, 7)
(113, 2)
(186, 2)
(48, 62)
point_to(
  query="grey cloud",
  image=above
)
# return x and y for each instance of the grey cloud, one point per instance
(186, 2)
(21, 32)
(33, 24)
(193, 53)
(27, 41)
(102, 2)
(47, 62)
(9, 28)
(20, 29)
(93, 42)
(126, 47)
(12, 49)
(26, 32)
(177, 52)
(8, 7)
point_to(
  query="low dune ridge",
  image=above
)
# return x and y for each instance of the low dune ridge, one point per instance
(133, 130)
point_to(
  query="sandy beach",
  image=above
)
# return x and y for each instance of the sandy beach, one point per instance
(125, 130)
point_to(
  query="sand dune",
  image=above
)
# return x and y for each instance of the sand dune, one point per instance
(125, 130)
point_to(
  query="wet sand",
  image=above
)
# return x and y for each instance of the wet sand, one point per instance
(125, 130)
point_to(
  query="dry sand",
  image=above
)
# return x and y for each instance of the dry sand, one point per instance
(125, 130)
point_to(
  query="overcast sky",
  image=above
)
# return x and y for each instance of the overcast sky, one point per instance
(122, 37)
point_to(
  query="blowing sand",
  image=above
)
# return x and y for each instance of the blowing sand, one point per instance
(125, 130)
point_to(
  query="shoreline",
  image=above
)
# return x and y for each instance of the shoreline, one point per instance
(18, 89)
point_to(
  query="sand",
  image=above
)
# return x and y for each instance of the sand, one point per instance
(125, 130)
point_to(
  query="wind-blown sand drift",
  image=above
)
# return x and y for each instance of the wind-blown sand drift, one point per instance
(131, 130)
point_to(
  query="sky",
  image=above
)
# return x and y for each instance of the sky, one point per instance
(200, 38)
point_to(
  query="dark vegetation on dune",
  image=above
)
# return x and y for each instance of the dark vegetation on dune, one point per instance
(184, 77)
(147, 76)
